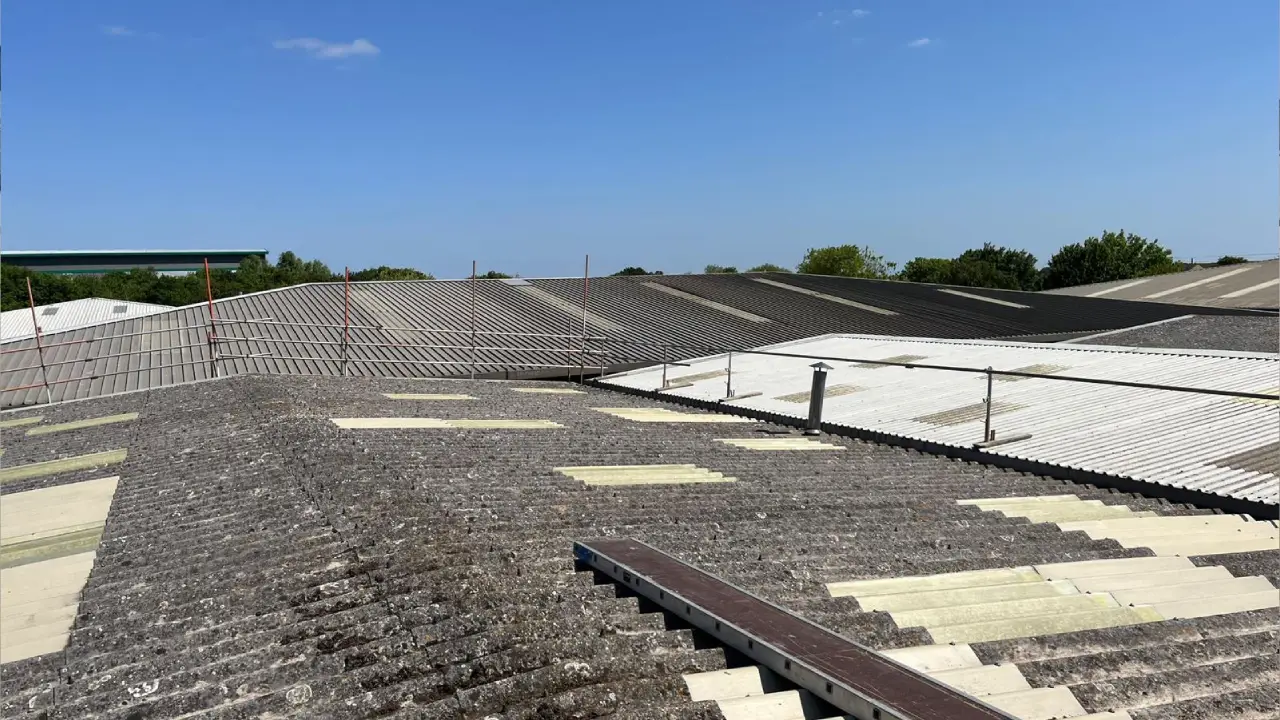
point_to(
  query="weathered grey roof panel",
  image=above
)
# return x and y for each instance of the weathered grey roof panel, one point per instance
(1250, 285)
(423, 328)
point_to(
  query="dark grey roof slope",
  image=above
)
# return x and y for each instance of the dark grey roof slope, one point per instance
(1197, 332)
(421, 329)
(257, 561)
(1249, 285)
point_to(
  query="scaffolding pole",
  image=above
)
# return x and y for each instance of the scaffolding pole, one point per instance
(346, 316)
(473, 320)
(586, 285)
(212, 335)
(44, 374)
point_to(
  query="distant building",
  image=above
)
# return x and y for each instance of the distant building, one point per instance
(98, 262)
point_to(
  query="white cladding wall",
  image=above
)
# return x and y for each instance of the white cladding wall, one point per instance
(1174, 438)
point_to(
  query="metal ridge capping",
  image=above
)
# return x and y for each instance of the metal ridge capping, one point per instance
(853, 678)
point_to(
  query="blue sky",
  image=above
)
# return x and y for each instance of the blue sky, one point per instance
(667, 134)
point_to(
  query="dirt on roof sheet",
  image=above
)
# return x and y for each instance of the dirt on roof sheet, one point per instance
(258, 559)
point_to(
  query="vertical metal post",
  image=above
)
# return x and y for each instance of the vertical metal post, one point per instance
(44, 374)
(986, 424)
(473, 319)
(817, 392)
(665, 350)
(586, 284)
(728, 380)
(346, 316)
(212, 335)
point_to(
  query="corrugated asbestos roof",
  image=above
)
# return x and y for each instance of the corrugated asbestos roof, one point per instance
(1248, 334)
(1198, 442)
(1249, 285)
(421, 328)
(60, 317)
(290, 568)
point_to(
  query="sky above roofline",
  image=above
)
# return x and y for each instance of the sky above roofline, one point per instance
(669, 137)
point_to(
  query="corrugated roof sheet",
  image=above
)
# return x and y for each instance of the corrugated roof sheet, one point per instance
(1171, 438)
(408, 573)
(421, 328)
(1249, 285)
(63, 316)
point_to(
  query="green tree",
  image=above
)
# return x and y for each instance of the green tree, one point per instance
(146, 285)
(494, 275)
(927, 270)
(385, 274)
(1011, 269)
(635, 271)
(769, 267)
(1231, 260)
(845, 261)
(1114, 256)
(720, 270)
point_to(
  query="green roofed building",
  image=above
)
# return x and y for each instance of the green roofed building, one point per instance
(98, 262)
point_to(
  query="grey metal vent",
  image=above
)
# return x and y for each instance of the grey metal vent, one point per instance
(50, 311)
(118, 309)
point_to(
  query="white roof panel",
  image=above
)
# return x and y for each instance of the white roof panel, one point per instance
(71, 315)
(1215, 444)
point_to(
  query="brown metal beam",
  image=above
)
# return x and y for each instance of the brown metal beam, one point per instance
(849, 676)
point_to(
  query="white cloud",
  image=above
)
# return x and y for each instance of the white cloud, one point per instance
(322, 49)
(919, 43)
(837, 17)
(118, 30)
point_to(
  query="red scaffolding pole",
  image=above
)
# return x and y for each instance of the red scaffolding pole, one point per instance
(44, 374)
(212, 335)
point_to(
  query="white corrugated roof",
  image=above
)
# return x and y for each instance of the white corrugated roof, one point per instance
(16, 324)
(1201, 442)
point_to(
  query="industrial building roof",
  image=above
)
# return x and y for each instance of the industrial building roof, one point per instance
(423, 328)
(1195, 332)
(1218, 445)
(71, 315)
(296, 568)
(1248, 285)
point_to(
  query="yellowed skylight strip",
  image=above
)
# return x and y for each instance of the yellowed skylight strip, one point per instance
(19, 422)
(1018, 602)
(82, 424)
(984, 298)
(549, 391)
(610, 475)
(825, 296)
(784, 443)
(1169, 537)
(53, 467)
(48, 542)
(661, 415)
(439, 424)
(38, 604)
(426, 396)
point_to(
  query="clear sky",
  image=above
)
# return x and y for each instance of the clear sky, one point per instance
(666, 133)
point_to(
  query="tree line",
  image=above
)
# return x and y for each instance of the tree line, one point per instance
(1112, 256)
